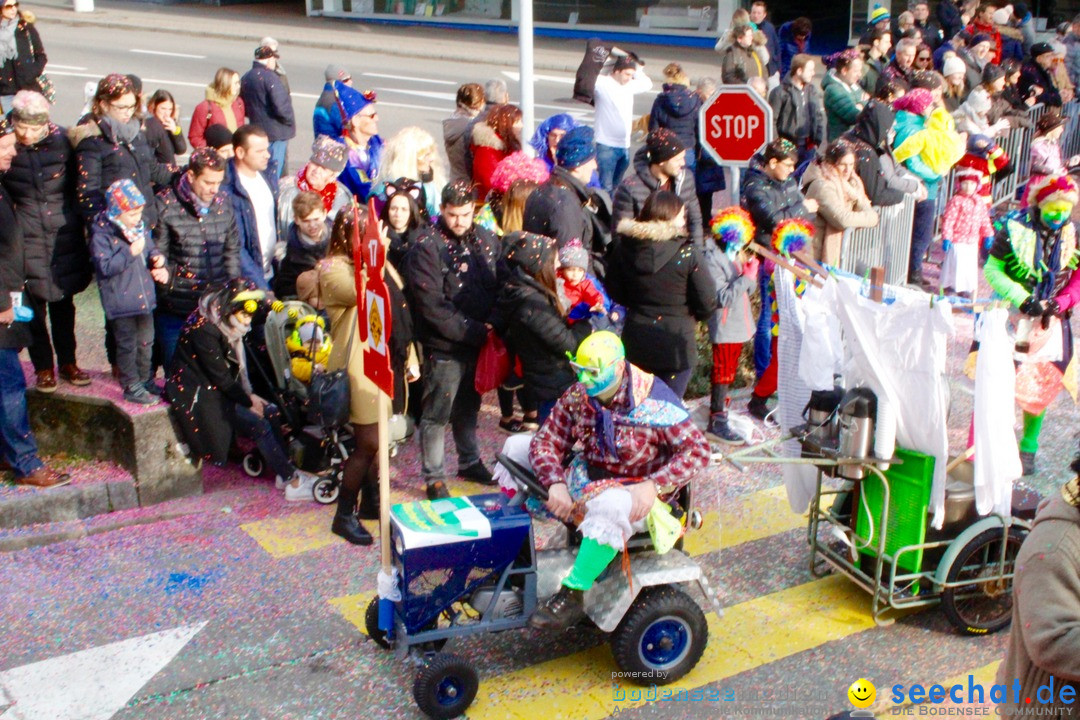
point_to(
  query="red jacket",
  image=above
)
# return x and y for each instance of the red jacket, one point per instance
(488, 150)
(209, 113)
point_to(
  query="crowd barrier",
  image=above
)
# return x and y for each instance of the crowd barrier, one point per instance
(888, 245)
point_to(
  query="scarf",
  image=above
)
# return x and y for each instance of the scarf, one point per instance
(187, 194)
(604, 425)
(328, 193)
(135, 236)
(8, 49)
(210, 309)
(226, 105)
(122, 132)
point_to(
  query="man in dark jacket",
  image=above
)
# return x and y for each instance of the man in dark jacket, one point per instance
(758, 14)
(327, 118)
(17, 446)
(658, 165)
(268, 104)
(452, 275)
(798, 109)
(794, 40)
(196, 232)
(950, 18)
(1036, 74)
(253, 192)
(931, 33)
(902, 67)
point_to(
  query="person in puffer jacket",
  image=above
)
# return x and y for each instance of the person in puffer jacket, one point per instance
(676, 109)
(196, 232)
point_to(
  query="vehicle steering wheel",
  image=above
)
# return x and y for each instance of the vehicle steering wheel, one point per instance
(524, 477)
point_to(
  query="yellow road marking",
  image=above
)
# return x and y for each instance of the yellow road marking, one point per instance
(353, 607)
(751, 517)
(294, 533)
(752, 634)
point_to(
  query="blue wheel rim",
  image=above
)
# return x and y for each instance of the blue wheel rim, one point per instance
(665, 642)
(450, 691)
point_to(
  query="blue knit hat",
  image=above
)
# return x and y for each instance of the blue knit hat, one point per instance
(576, 148)
(124, 196)
(352, 100)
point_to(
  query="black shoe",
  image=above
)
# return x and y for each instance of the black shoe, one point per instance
(153, 388)
(369, 503)
(437, 490)
(138, 394)
(477, 473)
(719, 429)
(758, 407)
(348, 527)
(1027, 462)
(565, 609)
(513, 426)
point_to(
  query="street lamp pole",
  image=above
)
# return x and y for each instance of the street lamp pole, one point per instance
(525, 61)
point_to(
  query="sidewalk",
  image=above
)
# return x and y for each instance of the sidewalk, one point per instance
(287, 23)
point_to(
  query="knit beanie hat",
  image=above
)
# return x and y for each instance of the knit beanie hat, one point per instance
(878, 14)
(330, 154)
(979, 101)
(573, 254)
(980, 38)
(576, 148)
(1041, 48)
(333, 73)
(663, 145)
(1002, 15)
(968, 173)
(992, 73)
(30, 107)
(123, 196)
(953, 66)
(218, 136)
(916, 101)
(1055, 187)
(518, 166)
(352, 100)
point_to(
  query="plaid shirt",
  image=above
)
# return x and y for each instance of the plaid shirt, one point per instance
(659, 442)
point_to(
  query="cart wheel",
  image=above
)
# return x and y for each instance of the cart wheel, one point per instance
(984, 606)
(445, 686)
(663, 634)
(253, 464)
(371, 624)
(326, 490)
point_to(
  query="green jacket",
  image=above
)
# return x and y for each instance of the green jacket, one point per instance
(1012, 269)
(842, 105)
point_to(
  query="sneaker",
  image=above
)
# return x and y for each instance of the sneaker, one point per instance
(758, 407)
(477, 473)
(72, 374)
(565, 609)
(153, 388)
(138, 394)
(513, 426)
(720, 430)
(280, 483)
(304, 492)
(529, 425)
(43, 478)
(437, 490)
(1027, 462)
(45, 381)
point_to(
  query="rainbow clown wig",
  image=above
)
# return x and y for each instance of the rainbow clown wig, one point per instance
(1054, 188)
(792, 235)
(733, 229)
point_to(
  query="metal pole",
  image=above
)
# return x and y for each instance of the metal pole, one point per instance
(525, 63)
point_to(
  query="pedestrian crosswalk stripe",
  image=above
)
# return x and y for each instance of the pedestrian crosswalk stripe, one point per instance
(751, 634)
(353, 607)
(752, 517)
(294, 533)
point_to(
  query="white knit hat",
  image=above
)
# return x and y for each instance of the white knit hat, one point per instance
(1002, 15)
(952, 66)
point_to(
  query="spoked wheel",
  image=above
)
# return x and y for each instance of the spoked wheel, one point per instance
(326, 490)
(662, 636)
(253, 464)
(446, 686)
(985, 605)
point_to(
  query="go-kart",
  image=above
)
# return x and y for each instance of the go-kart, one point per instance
(468, 565)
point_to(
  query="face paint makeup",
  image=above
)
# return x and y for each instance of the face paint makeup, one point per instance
(1055, 214)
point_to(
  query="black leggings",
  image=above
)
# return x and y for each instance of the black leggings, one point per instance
(362, 467)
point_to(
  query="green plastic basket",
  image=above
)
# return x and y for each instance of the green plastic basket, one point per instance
(910, 483)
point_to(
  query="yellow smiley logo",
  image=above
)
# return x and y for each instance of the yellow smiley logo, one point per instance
(862, 693)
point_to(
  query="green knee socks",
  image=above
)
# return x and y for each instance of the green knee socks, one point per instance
(1032, 427)
(591, 560)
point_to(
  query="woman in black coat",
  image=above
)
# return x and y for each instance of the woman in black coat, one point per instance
(537, 330)
(661, 278)
(21, 53)
(162, 128)
(41, 183)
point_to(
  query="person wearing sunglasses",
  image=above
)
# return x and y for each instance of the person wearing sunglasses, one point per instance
(360, 132)
(639, 447)
(21, 52)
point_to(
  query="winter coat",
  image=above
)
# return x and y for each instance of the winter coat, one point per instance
(1044, 645)
(799, 114)
(538, 334)
(300, 257)
(842, 104)
(561, 209)
(733, 319)
(736, 56)
(995, 38)
(676, 109)
(772, 44)
(1072, 58)
(267, 102)
(252, 261)
(203, 387)
(948, 15)
(166, 145)
(972, 71)
(1045, 157)
(200, 251)
(359, 179)
(1032, 74)
(41, 183)
(636, 187)
(12, 274)
(103, 159)
(769, 201)
(327, 118)
(894, 73)
(877, 169)
(1022, 251)
(928, 147)
(931, 33)
(660, 276)
(453, 285)
(209, 112)
(789, 48)
(488, 149)
(127, 290)
(966, 220)
(839, 208)
(22, 73)
(457, 144)
(873, 69)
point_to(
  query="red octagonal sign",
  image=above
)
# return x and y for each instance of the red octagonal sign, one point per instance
(735, 125)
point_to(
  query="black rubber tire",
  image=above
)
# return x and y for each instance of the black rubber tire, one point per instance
(982, 551)
(446, 686)
(654, 605)
(326, 490)
(371, 624)
(253, 464)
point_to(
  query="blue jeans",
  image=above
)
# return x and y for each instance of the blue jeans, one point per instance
(450, 397)
(763, 333)
(167, 329)
(922, 233)
(611, 164)
(265, 432)
(278, 150)
(17, 444)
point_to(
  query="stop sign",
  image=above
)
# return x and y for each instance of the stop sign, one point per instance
(735, 124)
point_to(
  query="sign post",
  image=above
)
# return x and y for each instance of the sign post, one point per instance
(733, 126)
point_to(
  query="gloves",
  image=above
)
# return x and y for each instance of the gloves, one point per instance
(1052, 308)
(946, 245)
(988, 242)
(1031, 307)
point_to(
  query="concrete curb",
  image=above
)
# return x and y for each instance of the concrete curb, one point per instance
(78, 529)
(71, 502)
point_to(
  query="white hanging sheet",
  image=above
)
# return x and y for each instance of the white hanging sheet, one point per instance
(997, 457)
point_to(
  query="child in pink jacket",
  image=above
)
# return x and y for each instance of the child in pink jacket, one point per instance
(966, 222)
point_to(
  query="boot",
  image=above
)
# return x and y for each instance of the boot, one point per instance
(563, 610)
(718, 417)
(1027, 462)
(758, 407)
(369, 499)
(345, 523)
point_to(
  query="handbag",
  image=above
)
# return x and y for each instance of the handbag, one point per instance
(328, 392)
(48, 89)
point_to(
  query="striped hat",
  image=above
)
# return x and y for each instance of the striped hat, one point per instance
(878, 14)
(124, 196)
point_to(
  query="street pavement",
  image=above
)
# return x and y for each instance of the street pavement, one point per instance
(245, 607)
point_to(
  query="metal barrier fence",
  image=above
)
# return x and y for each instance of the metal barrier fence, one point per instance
(888, 245)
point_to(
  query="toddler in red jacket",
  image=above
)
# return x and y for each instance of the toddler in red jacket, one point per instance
(583, 297)
(966, 222)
